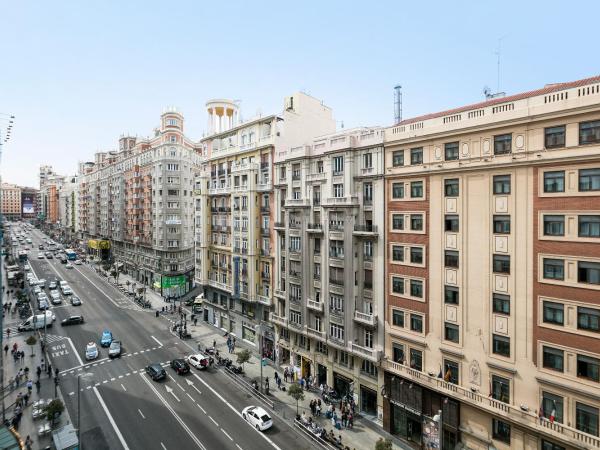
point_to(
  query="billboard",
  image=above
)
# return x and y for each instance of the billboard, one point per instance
(27, 203)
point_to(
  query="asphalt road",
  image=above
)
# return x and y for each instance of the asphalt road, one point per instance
(121, 407)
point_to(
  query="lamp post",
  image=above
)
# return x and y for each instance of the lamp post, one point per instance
(79, 377)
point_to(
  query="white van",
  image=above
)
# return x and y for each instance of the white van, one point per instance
(36, 322)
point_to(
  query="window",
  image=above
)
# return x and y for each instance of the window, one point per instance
(554, 313)
(296, 172)
(589, 132)
(398, 318)
(338, 190)
(586, 418)
(416, 288)
(416, 359)
(501, 224)
(368, 160)
(295, 243)
(451, 332)
(398, 352)
(295, 317)
(451, 371)
(501, 389)
(451, 151)
(552, 403)
(588, 272)
(416, 156)
(416, 323)
(397, 285)
(416, 222)
(589, 180)
(501, 345)
(338, 165)
(554, 137)
(451, 258)
(397, 190)
(397, 222)
(589, 226)
(368, 193)
(336, 249)
(501, 303)
(501, 264)
(397, 253)
(547, 445)
(502, 144)
(451, 223)
(501, 184)
(336, 331)
(451, 295)
(336, 303)
(554, 225)
(588, 319)
(554, 181)
(416, 255)
(451, 187)
(320, 167)
(416, 189)
(553, 358)
(172, 167)
(501, 431)
(588, 367)
(398, 158)
(554, 269)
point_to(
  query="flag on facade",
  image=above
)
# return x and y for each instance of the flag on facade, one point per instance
(553, 413)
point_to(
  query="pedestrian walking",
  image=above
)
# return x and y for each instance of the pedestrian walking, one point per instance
(37, 386)
(6, 350)
(49, 370)
(214, 344)
(350, 420)
(28, 443)
(8, 333)
(278, 383)
(29, 386)
(195, 321)
(38, 371)
(26, 398)
(43, 364)
(56, 372)
(285, 374)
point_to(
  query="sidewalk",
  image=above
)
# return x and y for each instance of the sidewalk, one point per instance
(363, 435)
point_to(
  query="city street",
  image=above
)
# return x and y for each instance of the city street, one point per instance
(121, 407)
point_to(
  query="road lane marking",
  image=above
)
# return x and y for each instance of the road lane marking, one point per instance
(238, 446)
(112, 379)
(140, 411)
(123, 387)
(120, 376)
(225, 433)
(213, 421)
(203, 410)
(163, 446)
(157, 341)
(71, 393)
(75, 351)
(191, 398)
(273, 444)
(94, 284)
(170, 391)
(172, 411)
(111, 420)
(191, 384)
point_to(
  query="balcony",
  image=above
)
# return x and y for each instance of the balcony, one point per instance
(342, 201)
(364, 318)
(265, 232)
(297, 203)
(280, 293)
(365, 229)
(279, 225)
(365, 352)
(295, 299)
(316, 306)
(295, 273)
(263, 300)
(219, 190)
(264, 186)
(265, 208)
(336, 281)
(265, 275)
(314, 228)
(218, 285)
(240, 188)
(557, 431)
(315, 333)
(279, 320)
(319, 176)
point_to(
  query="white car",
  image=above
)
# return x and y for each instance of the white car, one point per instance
(37, 290)
(27, 267)
(68, 266)
(199, 361)
(257, 417)
(55, 296)
(40, 256)
(52, 285)
(91, 351)
(67, 291)
(42, 282)
(78, 262)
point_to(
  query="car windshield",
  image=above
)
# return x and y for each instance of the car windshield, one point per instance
(115, 345)
(265, 418)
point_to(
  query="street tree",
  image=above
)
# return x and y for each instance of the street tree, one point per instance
(383, 444)
(31, 341)
(54, 410)
(243, 356)
(297, 393)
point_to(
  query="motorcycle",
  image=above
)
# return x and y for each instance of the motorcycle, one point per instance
(237, 369)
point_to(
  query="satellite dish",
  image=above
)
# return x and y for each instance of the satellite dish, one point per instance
(487, 92)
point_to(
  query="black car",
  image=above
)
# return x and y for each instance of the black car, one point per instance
(156, 372)
(75, 301)
(115, 350)
(49, 255)
(73, 320)
(180, 366)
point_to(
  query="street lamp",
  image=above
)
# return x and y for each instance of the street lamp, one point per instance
(79, 377)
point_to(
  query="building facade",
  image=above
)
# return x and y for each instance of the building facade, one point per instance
(29, 202)
(136, 207)
(234, 212)
(329, 310)
(492, 272)
(11, 201)
(68, 208)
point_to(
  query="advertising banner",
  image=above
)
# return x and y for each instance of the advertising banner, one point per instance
(27, 203)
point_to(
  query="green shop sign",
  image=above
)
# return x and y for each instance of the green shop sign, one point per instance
(168, 282)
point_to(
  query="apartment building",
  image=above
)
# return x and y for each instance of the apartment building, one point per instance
(68, 207)
(492, 272)
(234, 212)
(329, 310)
(10, 196)
(136, 206)
(50, 184)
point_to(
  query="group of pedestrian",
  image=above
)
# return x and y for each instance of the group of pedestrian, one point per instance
(288, 375)
(231, 343)
(315, 407)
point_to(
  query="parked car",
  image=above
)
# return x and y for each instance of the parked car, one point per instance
(43, 305)
(67, 290)
(75, 301)
(180, 366)
(115, 349)
(257, 417)
(106, 338)
(199, 361)
(52, 285)
(55, 296)
(156, 371)
(73, 320)
(91, 351)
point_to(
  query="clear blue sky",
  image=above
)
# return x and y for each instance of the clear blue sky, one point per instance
(78, 74)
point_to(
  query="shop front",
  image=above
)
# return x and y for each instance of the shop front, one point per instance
(342, 384)
(175, 286)
(268, 344)
(99, 249)
(368, 401)
(248, 333)
(321, 374)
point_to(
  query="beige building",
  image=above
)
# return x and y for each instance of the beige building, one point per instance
(11, 201)
(493, 272)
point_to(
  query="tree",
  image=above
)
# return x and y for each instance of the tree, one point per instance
(297, 393)
(383, 444)
(31, 341)
(54, 410)
(243, 356)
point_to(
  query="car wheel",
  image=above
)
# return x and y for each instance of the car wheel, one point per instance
(244, 416)
(257, 428)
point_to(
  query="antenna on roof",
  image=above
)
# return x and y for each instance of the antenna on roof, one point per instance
(497, 53)
(397, 103)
